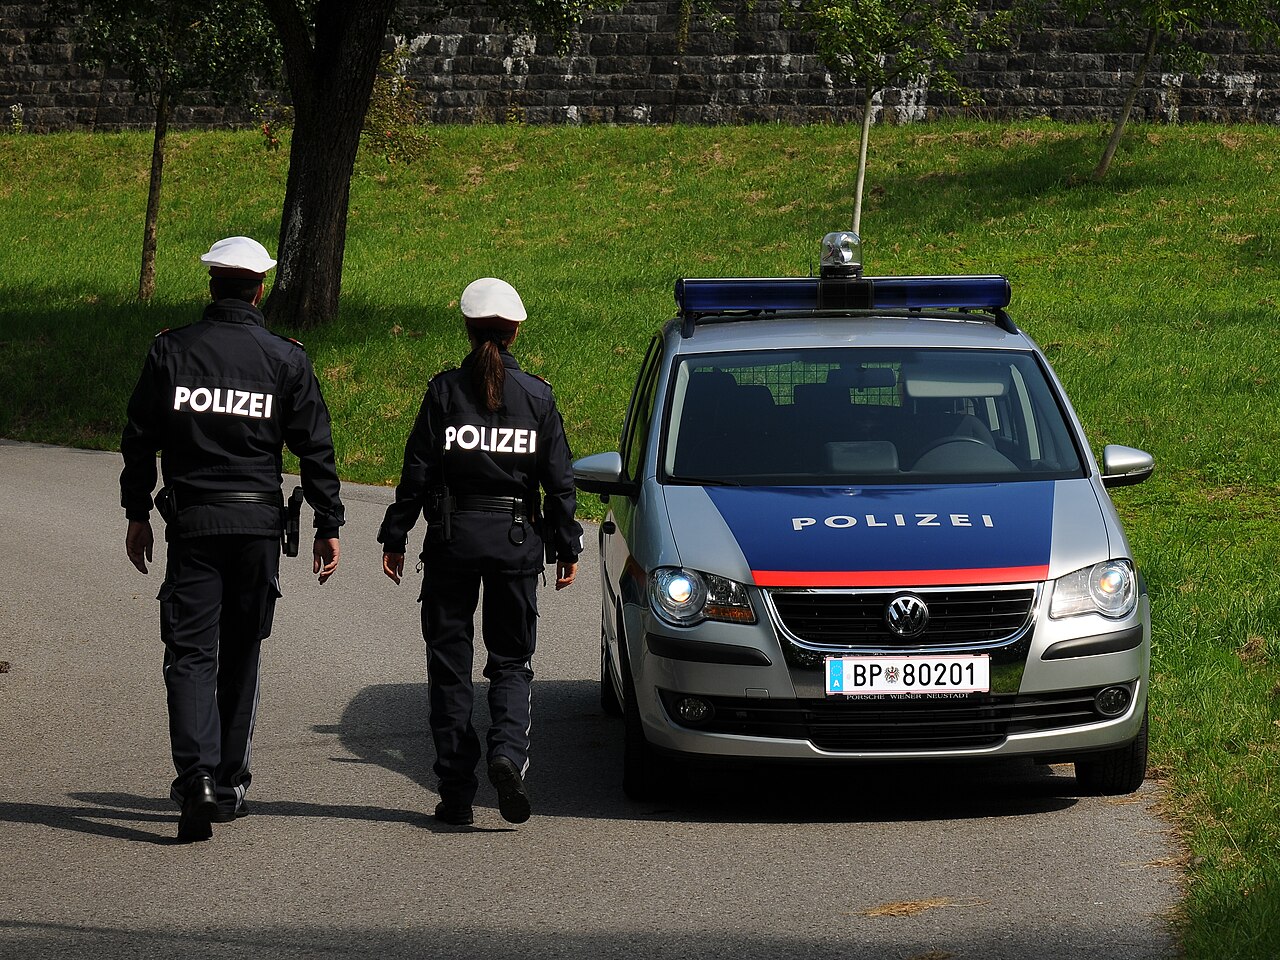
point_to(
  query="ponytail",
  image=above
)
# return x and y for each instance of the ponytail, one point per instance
(489, 374)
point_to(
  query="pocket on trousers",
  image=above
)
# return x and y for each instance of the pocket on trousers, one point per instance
(168, 610)
(269, 598)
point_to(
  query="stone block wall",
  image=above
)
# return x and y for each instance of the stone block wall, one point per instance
(627, 66)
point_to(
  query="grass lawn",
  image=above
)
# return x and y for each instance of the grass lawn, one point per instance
(1156, 295)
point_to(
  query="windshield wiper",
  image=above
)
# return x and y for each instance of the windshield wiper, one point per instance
(705, 481)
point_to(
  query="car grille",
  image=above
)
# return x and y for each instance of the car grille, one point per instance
(856, 618)
(901, 723)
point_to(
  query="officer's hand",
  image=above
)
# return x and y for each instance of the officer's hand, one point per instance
(324, 557)
(565, 572)
(393, 565)
(138, 542)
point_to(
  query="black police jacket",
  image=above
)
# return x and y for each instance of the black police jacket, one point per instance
(456, 443)
(220, 399)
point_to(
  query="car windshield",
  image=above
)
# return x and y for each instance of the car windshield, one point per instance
(866, 416)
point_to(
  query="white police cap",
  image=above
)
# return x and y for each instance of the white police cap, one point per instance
(490, 298)
(239, 254)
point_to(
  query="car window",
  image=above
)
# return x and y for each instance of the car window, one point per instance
(635, 431)
(862, 415)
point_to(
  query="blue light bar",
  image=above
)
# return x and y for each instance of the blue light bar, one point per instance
(814, 293)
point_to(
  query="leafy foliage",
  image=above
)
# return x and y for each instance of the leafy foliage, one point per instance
(1178, 24)
(558, 19)
(710, 14)
(393, 125)
(879, 43)
(169, 46)
(273, 118)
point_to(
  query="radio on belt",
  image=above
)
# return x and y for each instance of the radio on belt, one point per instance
(292, 524)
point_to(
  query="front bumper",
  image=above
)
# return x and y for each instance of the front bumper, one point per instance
(1044, 725)
(768, 703)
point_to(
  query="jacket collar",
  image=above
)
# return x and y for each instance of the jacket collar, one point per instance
(234, 311)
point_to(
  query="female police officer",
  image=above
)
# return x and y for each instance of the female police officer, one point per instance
(488, 435)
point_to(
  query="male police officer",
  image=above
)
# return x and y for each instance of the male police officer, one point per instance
(219, 399)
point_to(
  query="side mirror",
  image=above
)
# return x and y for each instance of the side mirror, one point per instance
(1125, 466)
(601, 473)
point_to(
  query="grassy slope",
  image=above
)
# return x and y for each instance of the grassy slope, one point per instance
(1155, 295)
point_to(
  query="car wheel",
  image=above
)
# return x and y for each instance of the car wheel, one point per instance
(1114, 772)
(646, 774)
(609, 702)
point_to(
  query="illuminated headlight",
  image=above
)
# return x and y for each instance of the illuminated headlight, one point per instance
(686, 597)
(1106, 588)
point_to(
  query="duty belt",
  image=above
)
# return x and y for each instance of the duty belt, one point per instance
(512, 505)
(515, 507)
(204, 499)
(168, 501)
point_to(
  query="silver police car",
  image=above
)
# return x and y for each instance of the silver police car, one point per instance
(855, 518)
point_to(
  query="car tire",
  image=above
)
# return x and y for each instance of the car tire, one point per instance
(1114, 772)
(646, 774)
(609, 702)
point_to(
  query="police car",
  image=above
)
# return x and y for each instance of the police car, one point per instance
(855, 518)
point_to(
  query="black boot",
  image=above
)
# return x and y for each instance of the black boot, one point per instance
(454, 812)
(513, 801)
(199, 807)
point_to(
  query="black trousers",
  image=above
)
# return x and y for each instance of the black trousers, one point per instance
(216, 607)
(510, 615)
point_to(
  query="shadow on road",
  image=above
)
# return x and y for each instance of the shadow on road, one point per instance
(576, 770)
(108, 815)
(100, 817)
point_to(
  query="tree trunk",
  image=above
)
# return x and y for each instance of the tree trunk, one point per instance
(313, 223)
(1118, 131)
(862, 160)
(331, 81)
(147, 278)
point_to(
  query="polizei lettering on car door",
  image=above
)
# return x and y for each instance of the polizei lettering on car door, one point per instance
(840, 521)
(491, 439)
(236, 403)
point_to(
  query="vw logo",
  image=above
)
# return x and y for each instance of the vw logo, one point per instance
(906, 615)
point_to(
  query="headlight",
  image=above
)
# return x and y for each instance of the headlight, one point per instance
(685, 597)
(1107, 588)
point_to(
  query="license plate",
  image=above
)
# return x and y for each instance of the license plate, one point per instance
(860, 676)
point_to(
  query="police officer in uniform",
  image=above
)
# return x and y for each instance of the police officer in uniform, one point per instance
(219, 399)
(487, 437)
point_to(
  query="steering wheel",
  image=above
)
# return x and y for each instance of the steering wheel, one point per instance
(943, 441)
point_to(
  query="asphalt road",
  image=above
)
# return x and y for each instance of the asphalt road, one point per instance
(341, 859)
